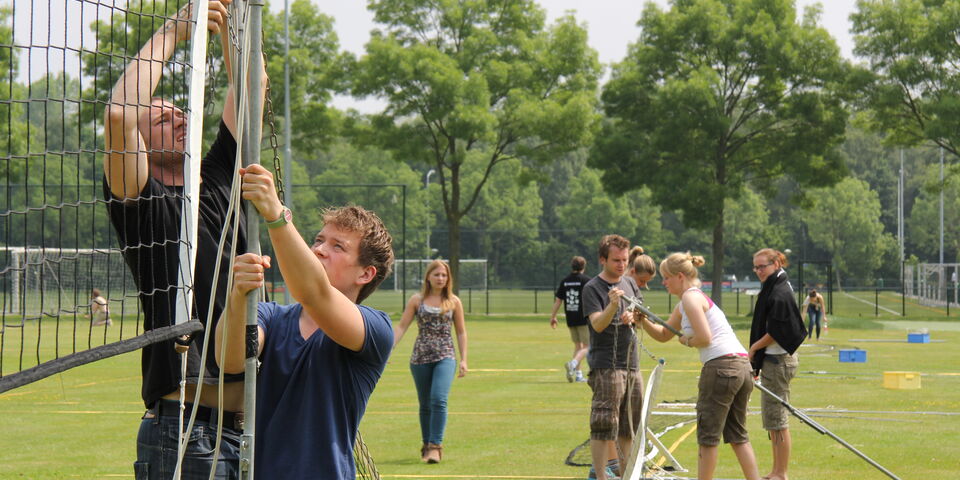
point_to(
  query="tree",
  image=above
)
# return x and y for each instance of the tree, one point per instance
(845, 221)
(749, 230)
(316, 70)
(360, 176)
(924, 221)
(504, 222)
(911, 48)
(476, 82)
(716, 95)
(593, 213)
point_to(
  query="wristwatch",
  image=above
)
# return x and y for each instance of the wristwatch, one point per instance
(286, 216)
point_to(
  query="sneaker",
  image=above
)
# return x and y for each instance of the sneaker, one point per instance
(610, 476)
(571, 367)
(613, 466)
(580, 378)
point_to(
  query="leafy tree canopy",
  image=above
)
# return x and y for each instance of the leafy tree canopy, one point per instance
(845, 221)
(476, 82)
(911, 48)
(716, 95)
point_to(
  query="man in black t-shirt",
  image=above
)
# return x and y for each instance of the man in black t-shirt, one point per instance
(144, 188)
(614, 375)
(568, 294)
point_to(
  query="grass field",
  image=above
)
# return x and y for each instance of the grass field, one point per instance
(515, 416)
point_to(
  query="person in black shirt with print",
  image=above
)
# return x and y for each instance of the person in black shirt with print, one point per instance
(568, 294)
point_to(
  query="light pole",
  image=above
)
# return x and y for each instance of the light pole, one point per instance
(426, 186)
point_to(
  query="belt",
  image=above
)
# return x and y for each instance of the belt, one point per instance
(774, 358)
(171, 408)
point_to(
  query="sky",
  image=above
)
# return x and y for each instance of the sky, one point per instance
(611, 25)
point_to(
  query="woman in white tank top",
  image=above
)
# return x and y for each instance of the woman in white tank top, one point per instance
(726, 378)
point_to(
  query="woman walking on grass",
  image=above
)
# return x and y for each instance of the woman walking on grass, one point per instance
(433, 362)
(814, 305)
(725, 378)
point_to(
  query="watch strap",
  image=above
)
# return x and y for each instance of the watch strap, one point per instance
(285, 216)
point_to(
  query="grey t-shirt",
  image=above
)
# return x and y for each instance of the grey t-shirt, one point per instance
(617, 339)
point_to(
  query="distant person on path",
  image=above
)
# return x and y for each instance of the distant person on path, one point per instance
(776, 333)
(569, 294)
(433, 361)
(725, 378)
(99, 309)
(614, 374)
(816, 311)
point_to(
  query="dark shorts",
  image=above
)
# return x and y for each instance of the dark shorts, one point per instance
(776, 374)
(725, 386)
(611, 404)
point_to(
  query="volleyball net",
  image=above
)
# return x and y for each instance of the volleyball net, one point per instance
(65, 287)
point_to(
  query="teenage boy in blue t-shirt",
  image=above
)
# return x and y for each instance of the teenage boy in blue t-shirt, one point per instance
(320, 358)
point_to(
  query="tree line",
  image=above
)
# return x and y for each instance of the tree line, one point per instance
(728, 126)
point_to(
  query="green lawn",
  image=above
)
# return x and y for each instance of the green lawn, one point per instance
(515, 416)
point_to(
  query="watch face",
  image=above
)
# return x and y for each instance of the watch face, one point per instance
(287, 214)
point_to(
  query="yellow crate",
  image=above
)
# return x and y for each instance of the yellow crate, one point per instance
(901, 380)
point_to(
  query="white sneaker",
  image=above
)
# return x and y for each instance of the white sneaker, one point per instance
(580, 378)
(571, 367)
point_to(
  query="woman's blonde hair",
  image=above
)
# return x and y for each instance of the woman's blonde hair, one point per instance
(446, 293)
(682, 262)
(641, 262)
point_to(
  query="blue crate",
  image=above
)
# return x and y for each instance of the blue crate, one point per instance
(918, 338)
(854, 356)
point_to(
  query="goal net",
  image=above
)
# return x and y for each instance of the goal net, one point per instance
(932, 284)
(42, 283)
(59, 61)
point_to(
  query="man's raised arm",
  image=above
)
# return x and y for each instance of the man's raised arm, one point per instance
(126, 165)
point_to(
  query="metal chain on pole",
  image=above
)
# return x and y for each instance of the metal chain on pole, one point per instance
(208, 97)
(274, 143)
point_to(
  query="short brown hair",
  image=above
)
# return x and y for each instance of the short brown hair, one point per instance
(578, 263)
(612, 240)
(376, 244)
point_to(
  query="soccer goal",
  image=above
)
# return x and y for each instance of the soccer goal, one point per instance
(42, 283)
(932, 284)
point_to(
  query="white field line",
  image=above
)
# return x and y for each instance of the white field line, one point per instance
(885, 309)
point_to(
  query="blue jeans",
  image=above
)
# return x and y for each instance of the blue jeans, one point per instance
(433, 382)
(814, 317)
(157, 443)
